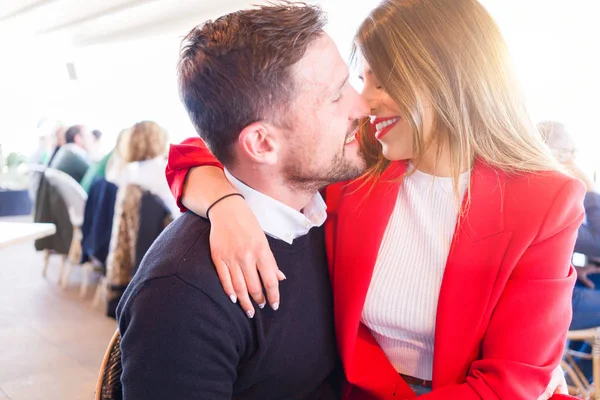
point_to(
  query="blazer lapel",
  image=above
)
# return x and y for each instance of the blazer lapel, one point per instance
(475, 257)
(362, 220)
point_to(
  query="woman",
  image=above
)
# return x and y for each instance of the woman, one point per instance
(146, 145)
(449, 258)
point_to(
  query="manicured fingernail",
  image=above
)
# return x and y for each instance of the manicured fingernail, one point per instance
(250, 314)
(275, 306)
(283, 276)
(233, 298)
(262, 305)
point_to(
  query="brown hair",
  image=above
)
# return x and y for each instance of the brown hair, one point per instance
(236, 70)
(146, 140)
(452, 51)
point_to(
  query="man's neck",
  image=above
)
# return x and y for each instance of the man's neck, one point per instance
(274, 187)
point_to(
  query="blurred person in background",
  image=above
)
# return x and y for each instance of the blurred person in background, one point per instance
(73, 157)
(111, 165)
(586, 299)
(586, 296)
(59, 141)
(46, 142)
(145, 148)
(558, 138)
(96, 151)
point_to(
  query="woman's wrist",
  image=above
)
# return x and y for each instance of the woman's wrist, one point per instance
(225, 208)
(221, 199)
(203, 187)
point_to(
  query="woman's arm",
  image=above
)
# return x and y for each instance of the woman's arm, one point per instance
(239, 248)
(183, 158)
(525, 338)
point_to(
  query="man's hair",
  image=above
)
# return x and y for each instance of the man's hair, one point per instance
(71, 133)
(237, 70)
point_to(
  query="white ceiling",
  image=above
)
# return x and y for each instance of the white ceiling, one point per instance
(85, 22)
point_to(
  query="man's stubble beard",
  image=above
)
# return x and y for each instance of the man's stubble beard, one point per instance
(303, 177)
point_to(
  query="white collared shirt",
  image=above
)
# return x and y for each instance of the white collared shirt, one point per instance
(277, 219)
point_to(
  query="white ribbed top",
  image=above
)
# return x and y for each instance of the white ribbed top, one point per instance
(401, 303)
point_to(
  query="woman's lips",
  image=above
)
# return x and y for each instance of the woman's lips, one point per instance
(384, 125)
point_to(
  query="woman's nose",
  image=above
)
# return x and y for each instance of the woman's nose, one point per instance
(371, 99)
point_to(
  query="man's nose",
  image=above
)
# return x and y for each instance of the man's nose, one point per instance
(362, 108)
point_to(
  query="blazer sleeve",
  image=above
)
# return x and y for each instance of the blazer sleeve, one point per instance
(588, 238)
(525, 338)
(177, 343)
(192, 152)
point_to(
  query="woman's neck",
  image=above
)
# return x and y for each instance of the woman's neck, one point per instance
(436, 161)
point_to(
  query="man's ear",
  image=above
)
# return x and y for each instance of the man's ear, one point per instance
(258, 142)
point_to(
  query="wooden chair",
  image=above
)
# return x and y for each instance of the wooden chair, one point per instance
(580, 386)
(109, 385)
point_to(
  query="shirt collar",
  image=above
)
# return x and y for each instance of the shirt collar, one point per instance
(277, 219)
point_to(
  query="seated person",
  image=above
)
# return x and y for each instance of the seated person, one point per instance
(586, 296)
(586, 300)
(182, 337)
(146, 145)
(96, 151)
(73, 157)
(59, 141)
(111, 166)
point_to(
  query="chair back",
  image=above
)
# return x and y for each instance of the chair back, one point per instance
(36, 172)
(140, 217)
(98, 221)
(71, 192)
(108, 386)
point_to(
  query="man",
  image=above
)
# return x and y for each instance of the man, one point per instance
(59, 141)
(283, 126)
(73, 156)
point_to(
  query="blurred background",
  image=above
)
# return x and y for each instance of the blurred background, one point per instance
(108, 64)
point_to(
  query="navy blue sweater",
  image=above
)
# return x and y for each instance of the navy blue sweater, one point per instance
(182, 338)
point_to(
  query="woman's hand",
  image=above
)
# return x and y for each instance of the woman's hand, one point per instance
(557, 385)
(241, 253)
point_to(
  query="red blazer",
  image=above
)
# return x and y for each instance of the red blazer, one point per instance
(505, 302)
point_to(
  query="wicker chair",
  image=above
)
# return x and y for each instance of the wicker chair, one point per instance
(581, 387)
(109, 385)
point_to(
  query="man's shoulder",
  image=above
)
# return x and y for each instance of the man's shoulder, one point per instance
(181, 252)
(188, 233)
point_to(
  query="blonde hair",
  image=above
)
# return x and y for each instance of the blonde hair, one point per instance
(122, 146)
(146, 140)
(453, 52)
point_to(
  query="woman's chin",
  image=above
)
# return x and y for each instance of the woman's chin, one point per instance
(394, 154)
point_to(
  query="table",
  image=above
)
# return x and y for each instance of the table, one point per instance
(12, 233)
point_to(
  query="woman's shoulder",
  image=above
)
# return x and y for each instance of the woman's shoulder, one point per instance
(540, 185)
(550, 200)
